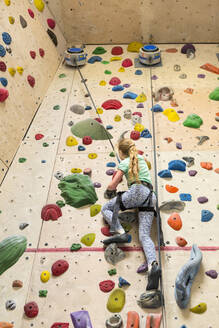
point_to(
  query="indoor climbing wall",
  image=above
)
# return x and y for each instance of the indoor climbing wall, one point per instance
(31, 48)
(179, 21)
(66, 143)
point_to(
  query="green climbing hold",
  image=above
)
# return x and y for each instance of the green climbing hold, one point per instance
(214, 95)
(63, 89)
(43, 293)
(217, 207)
(56, 107)
(22, 160)
(95, 209)
(126, 226)
(78, 190)
(112, 154)
(62, 75)
(112, 272)
(99, 51)
(88, 239)
(45, 144)
(105, 62)
(200, 308)
(75, 247)
(60, 203)
(107, 72)
(193, 121)
(92, 128)
(116, 301)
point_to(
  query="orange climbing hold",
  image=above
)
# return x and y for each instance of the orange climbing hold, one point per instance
(181, 241)
(175, 221)
(174, 103)
(206, 165)
(217, 170)
(217, 114)
(132, 320)
(171, 189)
(189, 91)
(168, 139)
(210, 68)
(6, 325)
(153, 320)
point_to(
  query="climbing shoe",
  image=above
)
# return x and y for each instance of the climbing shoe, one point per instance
(123, 238)
(153, 276)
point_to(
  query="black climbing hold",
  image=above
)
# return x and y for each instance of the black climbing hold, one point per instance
(23, 22)
(52, 37)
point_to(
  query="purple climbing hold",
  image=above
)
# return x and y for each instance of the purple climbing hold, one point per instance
(81, 319)
(212, 273)
(110, 172)
(97, 185)
(140, 105)
(214, 127)
(142, 268)
(126, 85)
(201, 76)
(180, 111)
(178, 145)
(186, 47)
(154, 77)
(192, 173)
(202, 199)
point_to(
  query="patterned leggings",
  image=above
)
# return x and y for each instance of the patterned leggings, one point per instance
(135, 197)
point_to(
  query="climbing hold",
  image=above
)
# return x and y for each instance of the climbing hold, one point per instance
(60, 203)
(106, 285)
(175, 221)
(151, 299)
(56, 107)
(135, 135)
(59, 175)
(10, 305)
(138, 72)
(116, 301)
(214, 95)
(146, 134)
(210, 68)
(23, 21)
(76, 170)
(45, 276)
(189, 160)
(168, 139)
(71, 141)
(31, 13)
(81, 319)
(92, 155)
(185, 197)
(139, 127)
(112, 104)
(186, 276)
(111, 164)
(94, 59)
(171, 114)
(174, 103)
(112, 272)
(177, 165)
(130, 95)
(202, 139)
(200, 308)
(42, 53)
(171, 50)
(22, 160)
(172, 205)
(117, 118)
(116, 51)
(127, 62)
(115, 81)
(193, 121)
(32, 54)
(11, 19)
(6, 38)
(39, 136)
(202, 199)
(187, 47)
(157, 108)
(87, 171)
(106, 231)
(178, 145)
(43, 293)
(192, 173)
(171, 189)
(123, 282)
(183, 76)
(52, 37)
(99, 110)
(88, 239)
(60, 325)
(31, 309)
(95, 209)
(92, 128)
(63, 90)
(189, 91)
(3, 66)
(115, 321)
(87, 140)
(97, 185)
(17, 284)
(115, 58)
(39, 4)
(4, 324)
(118, 88)
(216, 170)
(107, 72)
(165, 174)
(141, 98)
(51, 212)
(102, 83)
(77, 109)
(134, 46)
(31, 80)
(51, 23)
(142, 268)
(121, 69)
(12, 71)
(113, 254)
(2, 51)
(110, 172)
(99, 51)
(132, 320)
(212, 274)
(206, 215)
(59, 267)
(137, 113)
(154, 320)
(207, 165)
(75, 247)
(214, 127)
(3, 94)
(181, 241)
(7, 2)
(163, 94)
(20, 70)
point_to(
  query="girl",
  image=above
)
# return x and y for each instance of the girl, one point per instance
(136, 171)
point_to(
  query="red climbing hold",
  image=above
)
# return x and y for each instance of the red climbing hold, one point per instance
(137, 113)
(175, 221)
(31, 309)
(87, 140)
(31, 80)
(31, 13)
(51, 23)
(60, 325)
(3, 66)
(140, 152)
(51, 212)
(112, 104)
(116, 51)
(181, 241)
(115, 81)
(135, 135)
(106, 285)
(32, 54)
(98, 120)
(39, 136)
(106, 231)
(59, 267)
(41, 52)
(127, 62)
(3, 95)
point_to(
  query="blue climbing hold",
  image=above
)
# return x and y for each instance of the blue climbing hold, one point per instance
(111, 164)
(88, 107)
(177, 165)
(157, 108)
(138, 72)
(4, 81)
(109, 127)
(6, 38)
(185, 197)
(43, 161)
(130, 95)
(165, 174)
(123, 282)
(118, 88)
(81, 148)
(206, 215)
(94, 59)
(146, 134)
(2, 51)
(183, 326)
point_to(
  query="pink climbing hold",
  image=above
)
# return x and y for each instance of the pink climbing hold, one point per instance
(31, 13)
(59, 267)
(51, 212)
(60, 325)
(106, 231)
(31, 80)
(31, 309)
(87, 140)
(135, 135)
(51, 23)
(3, 66)
(41, 52)
(106, 285)
(98, 120)
(3, 95)
(39, 136)
(112, 104)
(127, 62)
(32, 54)
(116, 51)
(137, 113)
(114, 81)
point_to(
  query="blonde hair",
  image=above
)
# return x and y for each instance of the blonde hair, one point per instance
(128, 148)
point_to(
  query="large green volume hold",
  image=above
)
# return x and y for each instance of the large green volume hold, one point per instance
(11, 250)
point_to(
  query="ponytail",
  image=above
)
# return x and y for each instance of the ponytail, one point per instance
(127, 147)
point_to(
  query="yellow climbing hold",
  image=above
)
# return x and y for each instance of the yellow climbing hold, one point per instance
(200, 308)
(7, 2)
(139, 127)
(102, 83)
(88, 239)
(121, 69)
(95, 209)
(92, 155)
(45, 275)
(117, 118)
(20, 70)
(12, 71)
(11, 20)
(76, 170)
(71, 141)
(99, 110)
(171, 114)
(141, 98)
(115, 58)
(39, 4)
(116, 301)
(134, 46)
